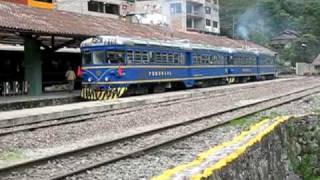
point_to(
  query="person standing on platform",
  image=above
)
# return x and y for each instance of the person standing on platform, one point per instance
(71, 77)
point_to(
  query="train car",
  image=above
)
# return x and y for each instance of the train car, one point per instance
(113, 66)
(266, 66)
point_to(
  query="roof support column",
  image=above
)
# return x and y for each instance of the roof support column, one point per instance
(33, 65)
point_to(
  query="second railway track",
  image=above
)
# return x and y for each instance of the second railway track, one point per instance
(79, 160)
(87, 117)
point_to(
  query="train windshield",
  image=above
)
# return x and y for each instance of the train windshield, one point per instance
(115, 57)
(86, 58)
(103, 57)
(93, 57)
(98, 57)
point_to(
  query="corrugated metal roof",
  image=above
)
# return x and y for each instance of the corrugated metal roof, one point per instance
(20, 18)
(316, 61)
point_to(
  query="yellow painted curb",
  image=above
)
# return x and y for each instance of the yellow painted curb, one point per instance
(226, 160)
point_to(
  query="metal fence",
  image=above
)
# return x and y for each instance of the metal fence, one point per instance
(14, 88)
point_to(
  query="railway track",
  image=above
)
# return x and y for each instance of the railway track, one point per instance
(87, 117)
(62, 165)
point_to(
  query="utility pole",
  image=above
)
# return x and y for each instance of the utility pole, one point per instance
(233, 27)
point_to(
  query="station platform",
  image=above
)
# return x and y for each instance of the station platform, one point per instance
(8, 103)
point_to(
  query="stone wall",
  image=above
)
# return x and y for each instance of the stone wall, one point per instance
(291, 151)
(302, 142)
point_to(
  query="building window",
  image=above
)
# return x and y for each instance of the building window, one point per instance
(46, 1)
(189, 23)
(189, 7)
(112, 9)
(208, 10)
(208, 22)
(95, 6)
(175, 8)
(215, 24)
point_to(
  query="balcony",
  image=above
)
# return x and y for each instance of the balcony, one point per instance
(199, 2)
(196, 14)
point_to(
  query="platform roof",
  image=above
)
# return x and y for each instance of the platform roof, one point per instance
(69, 29)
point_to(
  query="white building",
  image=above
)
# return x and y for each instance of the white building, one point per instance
(185, 15)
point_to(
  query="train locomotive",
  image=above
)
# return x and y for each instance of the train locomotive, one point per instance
(113, 66)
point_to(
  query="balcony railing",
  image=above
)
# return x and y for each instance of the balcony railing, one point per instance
(199, 14)
(197, 1)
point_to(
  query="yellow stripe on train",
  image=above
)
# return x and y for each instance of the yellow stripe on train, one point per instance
(110, 94)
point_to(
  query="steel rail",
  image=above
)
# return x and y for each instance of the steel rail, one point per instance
(44, 160)
(247, 86)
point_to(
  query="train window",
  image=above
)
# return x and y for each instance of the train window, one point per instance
(130, 55)
(217, 59)
(145, 58)
(213, 59)
(164, 58)
(205, 59)
(157, 57)
(196, 59)
(253, 60)
(115, 57)
(231, 60)
(137, 57)
(98, 57)
(170, 58)
(86, 58)
(265, 60)
(151, 56)
(238, 60)
(176, 59)
(182, 59)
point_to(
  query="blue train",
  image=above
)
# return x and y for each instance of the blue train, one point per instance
(113, 66)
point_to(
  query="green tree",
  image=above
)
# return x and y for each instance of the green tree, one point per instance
(261, 20)
(304, 49)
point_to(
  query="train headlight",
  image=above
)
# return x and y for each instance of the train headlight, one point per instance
(106, 79)
(89, 79)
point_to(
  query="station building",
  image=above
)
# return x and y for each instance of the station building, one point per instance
(54, 63)
(53, 58)
(44, 42)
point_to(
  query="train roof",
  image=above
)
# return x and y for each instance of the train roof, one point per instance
(178, 43)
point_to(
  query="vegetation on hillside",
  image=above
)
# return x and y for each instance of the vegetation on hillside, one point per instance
(261, 20)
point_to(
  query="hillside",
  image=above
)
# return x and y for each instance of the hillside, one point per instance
(261, 20)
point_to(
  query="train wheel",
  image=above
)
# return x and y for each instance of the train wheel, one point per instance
(159, 88)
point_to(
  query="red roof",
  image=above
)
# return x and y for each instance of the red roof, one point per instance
(23, 19)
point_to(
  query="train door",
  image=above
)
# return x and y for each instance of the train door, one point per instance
(258, 67)
(229, 69)
(190, 82)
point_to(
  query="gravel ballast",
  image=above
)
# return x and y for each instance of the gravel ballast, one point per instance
(153, 163)
(53, 139)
